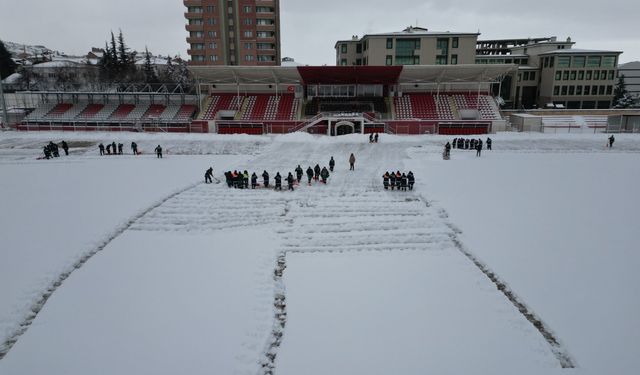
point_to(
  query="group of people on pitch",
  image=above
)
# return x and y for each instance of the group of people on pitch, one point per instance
(51, 150)
(466, 144)
(241, 179)
(113, 149)
(399, 181)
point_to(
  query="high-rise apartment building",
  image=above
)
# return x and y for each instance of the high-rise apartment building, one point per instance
(233, 32)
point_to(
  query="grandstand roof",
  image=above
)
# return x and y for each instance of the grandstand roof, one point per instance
(243, 75)
(366, 75)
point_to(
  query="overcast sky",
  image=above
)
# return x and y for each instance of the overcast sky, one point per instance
(310, 28)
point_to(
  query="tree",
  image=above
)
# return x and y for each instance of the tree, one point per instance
(620, 89)
(123, 51)
(167, 73)
(113, 52)
(621, 97)
(117, 64)
(181, 75)
(148, 69)
(108, 66)
(7, 65)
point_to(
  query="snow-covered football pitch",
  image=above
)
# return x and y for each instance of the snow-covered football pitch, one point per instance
(522, 261)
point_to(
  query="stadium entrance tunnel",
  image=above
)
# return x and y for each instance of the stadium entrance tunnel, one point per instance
(344, 127)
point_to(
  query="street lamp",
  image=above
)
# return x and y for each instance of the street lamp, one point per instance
(5, 117)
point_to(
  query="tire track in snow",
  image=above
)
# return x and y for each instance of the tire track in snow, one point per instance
(558, 350)
(37, 306)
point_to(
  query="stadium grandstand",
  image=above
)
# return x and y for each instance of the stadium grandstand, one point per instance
(132, 108)
(331, 100)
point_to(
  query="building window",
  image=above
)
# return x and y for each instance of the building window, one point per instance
(248, 57)
(564, 90)
(564, 61)
(532, 76)
(195, 10)
(442, 44)
(247, 21)
(441, 60)
(601, 90)
(578, 61)
(213, 34)
(263, 21)
(454, 59)
(248, 46)
(248, 34)
(343, 48)
(558, 75)
(580, 75)
(551, 60)
(211, 8)
(565, 75)
(359, 48)
(195, 21)
(358, 61)
(211, 21)
(596, 75)
(603, 75)
(609, 90)
(545, 62)
(247, 9)
(594, 90)
(389, 60)
(572, 90)
(573, 75)
(578, 90)
(266, 34)
(266, 58)
(196, 34)
(608, 61)
(593, 62)
(556, 90)
(213, 57)
(265, 46)
(586, 90)
(197, 58)
(343, 62)
(197, 46)
(213, 45)
(525, 76)
(264, 10)
(612, 75)
(389, 43)
(589, 72)
(454, 42)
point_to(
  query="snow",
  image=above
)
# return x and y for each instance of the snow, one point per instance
(375, 281)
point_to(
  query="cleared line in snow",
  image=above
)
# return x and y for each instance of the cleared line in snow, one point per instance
(37, 306)
(561, 353)
(280, 318)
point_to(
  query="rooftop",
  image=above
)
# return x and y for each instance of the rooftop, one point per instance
(578, 51)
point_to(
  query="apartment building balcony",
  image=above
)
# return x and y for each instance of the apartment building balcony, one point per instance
(194, 27)
(195, 39)
(194, 52)
(193, 15)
